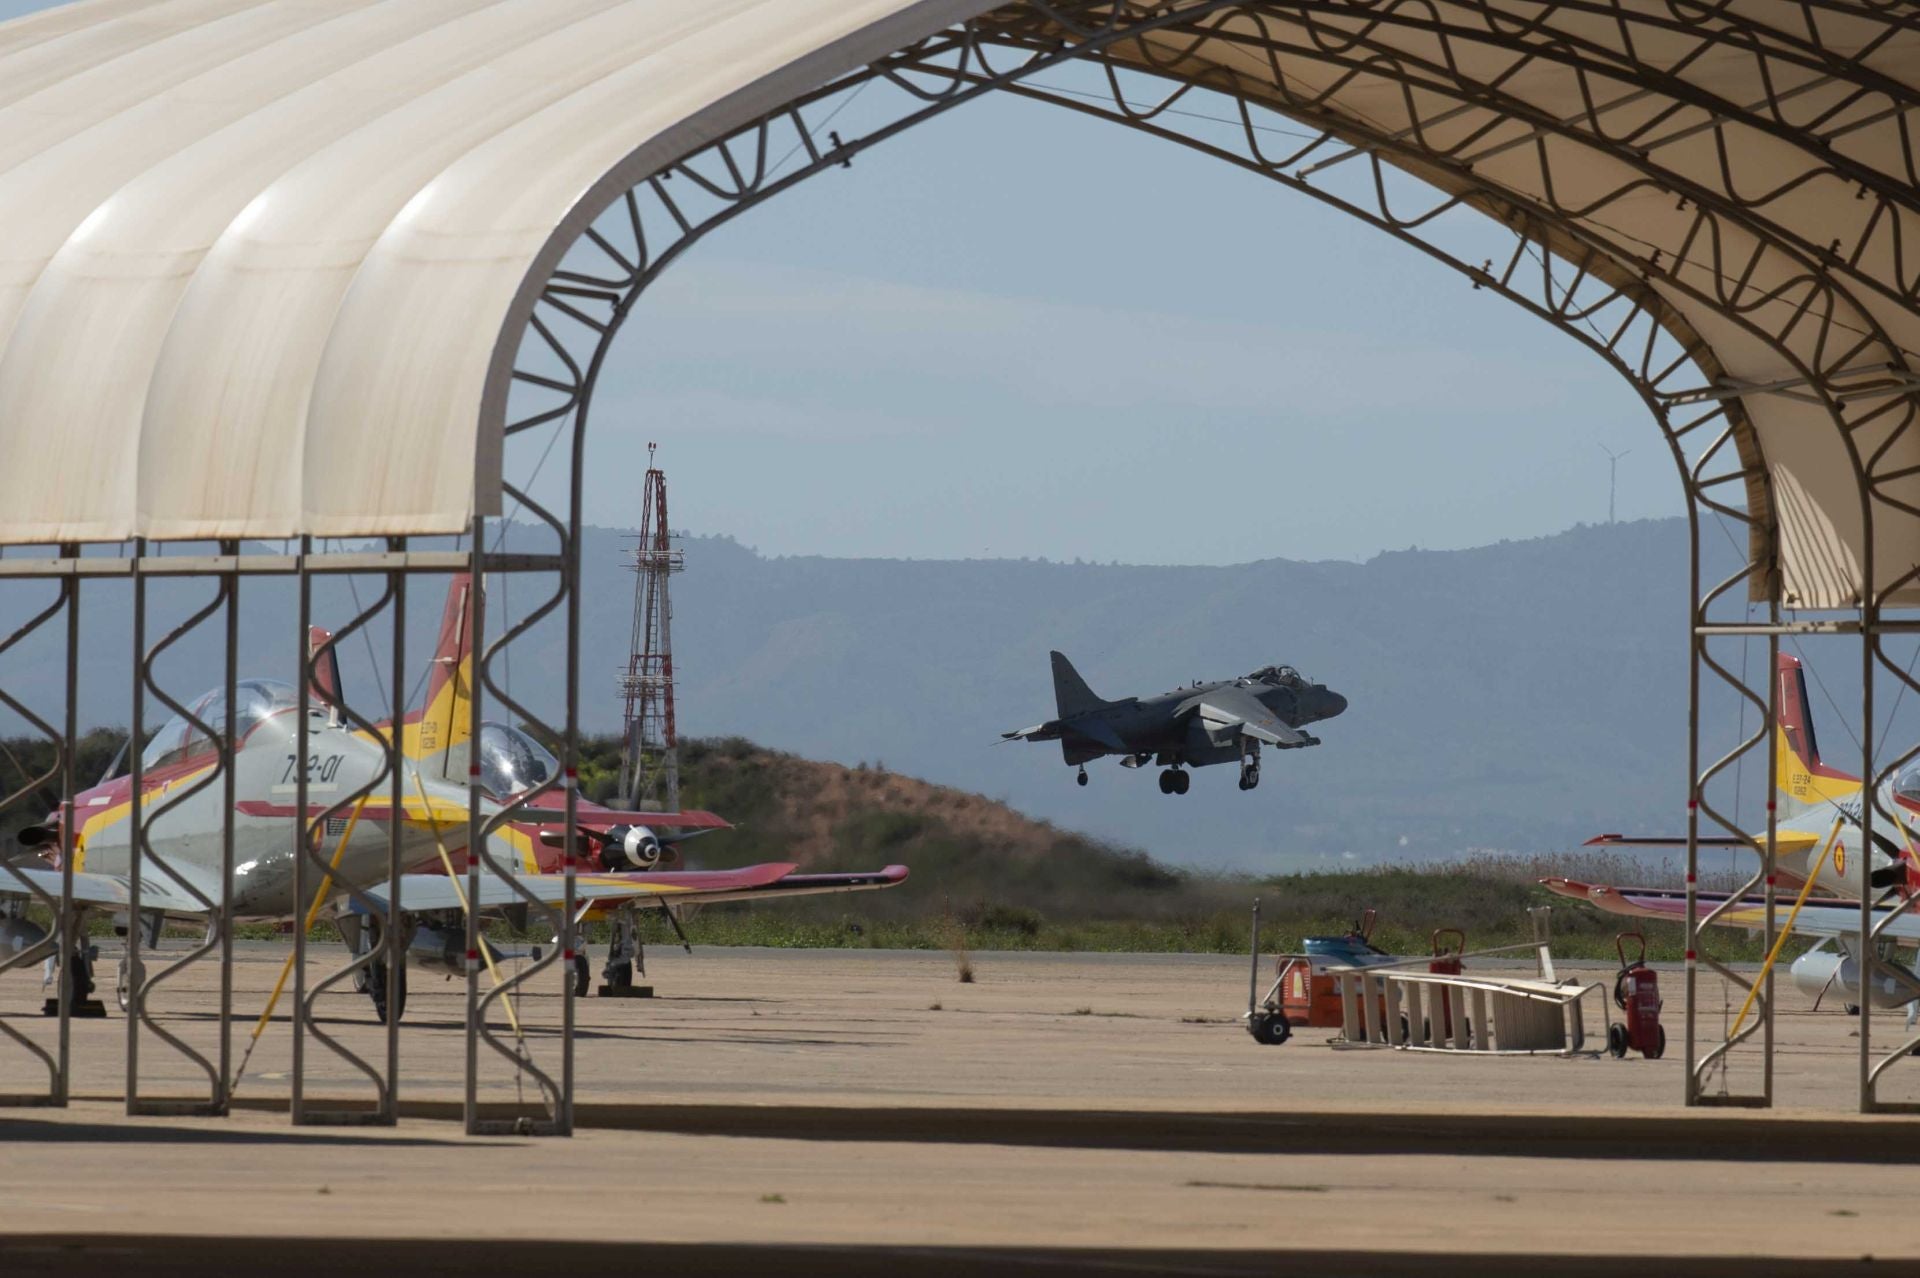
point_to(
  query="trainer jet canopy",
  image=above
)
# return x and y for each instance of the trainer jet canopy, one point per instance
(1202, 724)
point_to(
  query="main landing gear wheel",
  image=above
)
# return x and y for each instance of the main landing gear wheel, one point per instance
(1174, 781)
(387, 1000)
(1082, 778)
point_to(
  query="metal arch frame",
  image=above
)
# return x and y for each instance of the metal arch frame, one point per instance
(595, 298)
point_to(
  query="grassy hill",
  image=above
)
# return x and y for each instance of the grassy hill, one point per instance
(988, 877)
(992, 878)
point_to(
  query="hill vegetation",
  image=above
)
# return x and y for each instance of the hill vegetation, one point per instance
(989, 877)
(986, 877)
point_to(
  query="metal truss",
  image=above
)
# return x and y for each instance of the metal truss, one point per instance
(145, 928)
(64, 931)
(386, 956)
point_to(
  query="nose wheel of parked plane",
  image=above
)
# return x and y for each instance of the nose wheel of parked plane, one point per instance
(1174, 781)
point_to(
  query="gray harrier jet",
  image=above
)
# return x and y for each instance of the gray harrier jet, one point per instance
(1189, 727)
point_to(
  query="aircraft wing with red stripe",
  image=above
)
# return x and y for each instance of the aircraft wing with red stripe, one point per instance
(1820, 916)
(750, 883)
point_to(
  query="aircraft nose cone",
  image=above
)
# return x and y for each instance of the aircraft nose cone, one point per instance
(1331, 704)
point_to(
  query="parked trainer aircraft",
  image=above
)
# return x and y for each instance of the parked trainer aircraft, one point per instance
(1220, 722)
(1817, 840)
(181, 800)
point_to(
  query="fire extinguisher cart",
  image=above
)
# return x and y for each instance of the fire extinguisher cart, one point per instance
(1636, 992)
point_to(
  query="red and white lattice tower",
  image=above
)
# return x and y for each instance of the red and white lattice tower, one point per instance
(649, 766)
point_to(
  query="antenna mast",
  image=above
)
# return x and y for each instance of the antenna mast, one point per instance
(649, 760)
(1613, 475)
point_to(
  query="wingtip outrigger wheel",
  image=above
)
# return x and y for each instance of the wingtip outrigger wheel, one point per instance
(1082, 778)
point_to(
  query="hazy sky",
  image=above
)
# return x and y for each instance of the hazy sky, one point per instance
(1019, 332)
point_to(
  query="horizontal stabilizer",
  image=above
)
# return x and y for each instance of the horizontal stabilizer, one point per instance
(1098, 731)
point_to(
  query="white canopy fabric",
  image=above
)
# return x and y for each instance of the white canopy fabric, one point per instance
(264, 263)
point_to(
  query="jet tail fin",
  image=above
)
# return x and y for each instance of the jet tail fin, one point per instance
(1071, 695)
(326, 666)
(1802, 776)
(436, 734)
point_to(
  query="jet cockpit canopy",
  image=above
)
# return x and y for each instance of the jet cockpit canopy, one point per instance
(511, 762)
(256, 700)
(1279, 676)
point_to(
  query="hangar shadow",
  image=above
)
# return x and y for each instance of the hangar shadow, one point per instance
(136, 1256)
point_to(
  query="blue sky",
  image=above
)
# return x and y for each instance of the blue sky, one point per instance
(1019, 332)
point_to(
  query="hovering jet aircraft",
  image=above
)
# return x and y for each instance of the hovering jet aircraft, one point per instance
(185, 819)
(1195, 726)
(1816, 841)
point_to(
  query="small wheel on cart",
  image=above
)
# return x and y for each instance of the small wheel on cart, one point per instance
(1270, 1029)
(1617, 1041)
(1659, 1044)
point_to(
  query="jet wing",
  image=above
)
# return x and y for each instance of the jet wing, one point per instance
(1236, 707)
(1820, 916)
(115, 891)
(1783, 841)
(753, 882)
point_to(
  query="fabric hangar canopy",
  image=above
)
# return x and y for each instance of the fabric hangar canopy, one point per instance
(267, 263)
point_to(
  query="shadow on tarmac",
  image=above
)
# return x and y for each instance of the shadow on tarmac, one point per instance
(17, 1132)
(131, 1256)
(1711, 1138)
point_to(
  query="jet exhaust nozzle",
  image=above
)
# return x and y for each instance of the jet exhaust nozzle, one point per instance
(630, 847)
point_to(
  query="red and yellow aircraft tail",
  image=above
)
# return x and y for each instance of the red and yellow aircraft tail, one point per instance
(1800, 775)
(436, 734)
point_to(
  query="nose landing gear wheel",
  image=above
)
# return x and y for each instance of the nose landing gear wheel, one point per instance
(389, 997)
(1082, 778)
(582, 976)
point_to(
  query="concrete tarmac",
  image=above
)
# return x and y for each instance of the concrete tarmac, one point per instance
(863, 1111)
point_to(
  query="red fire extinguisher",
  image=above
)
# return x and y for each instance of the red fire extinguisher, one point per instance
(1446, 960)
(1636, 992)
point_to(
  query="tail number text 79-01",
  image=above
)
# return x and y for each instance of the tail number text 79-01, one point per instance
(319, 768)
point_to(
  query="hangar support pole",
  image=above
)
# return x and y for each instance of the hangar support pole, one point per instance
(62, 932)
(327, 834)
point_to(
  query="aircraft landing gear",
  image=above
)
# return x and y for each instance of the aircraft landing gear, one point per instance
(77, 973)
(1082, 778)
(387, 989)
(1250, 767)
(1174, 781)
(624, 954)
(389, 997)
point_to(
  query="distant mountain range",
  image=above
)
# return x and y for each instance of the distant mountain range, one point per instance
(1516, 696)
